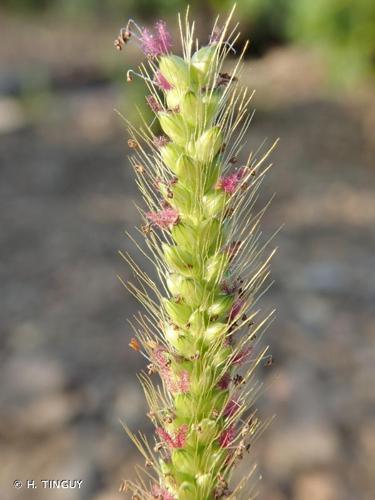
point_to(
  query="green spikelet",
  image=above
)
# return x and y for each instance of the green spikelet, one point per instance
(199, 332)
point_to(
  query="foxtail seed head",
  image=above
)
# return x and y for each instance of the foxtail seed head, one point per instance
(204, 240)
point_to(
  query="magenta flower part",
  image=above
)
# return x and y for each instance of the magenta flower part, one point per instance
(236, 309)
(162, 82)
(230, 183)
(161, 493)
(227, 437)
(160, 141)
(241, 356)
(154, 104)
(163, 365)
(158, 356)
(184, 382)
(224, 382)
(165, 38)
(167, 377)
(164, 218)
(178, 441)
(167, 438)
(155, 44)
(176, 383)
(149, 44)
(180, 437)
(231, 408)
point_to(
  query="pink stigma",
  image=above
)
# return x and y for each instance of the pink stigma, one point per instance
(180, 437)
(165, 38)
(175, 382)
(160, 141)
(224, 382)
(227, 437)
(156, 43)
(154, 104)
(164, 218)
(162, 82)
(241, 356)
(230, 183)
(161, 493)
(236, 309)
(178, 441)
(231, 408)
(184, 382)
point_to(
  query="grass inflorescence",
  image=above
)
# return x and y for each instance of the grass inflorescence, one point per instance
(200, 330)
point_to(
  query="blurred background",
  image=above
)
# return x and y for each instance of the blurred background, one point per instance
(67, 196)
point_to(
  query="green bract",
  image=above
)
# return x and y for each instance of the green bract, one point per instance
(179, 313)
(199, 111)
(204, 61)
(175, 127)
(176, 71)
(174, 98)
(215, 267)
(207, 145)
(170, 155)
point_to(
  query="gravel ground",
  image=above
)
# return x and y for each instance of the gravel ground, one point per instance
(68, 376)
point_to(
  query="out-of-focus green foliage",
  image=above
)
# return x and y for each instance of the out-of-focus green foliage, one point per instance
(145, 8)
(265, 21)
(344, 30)
(25, 4)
